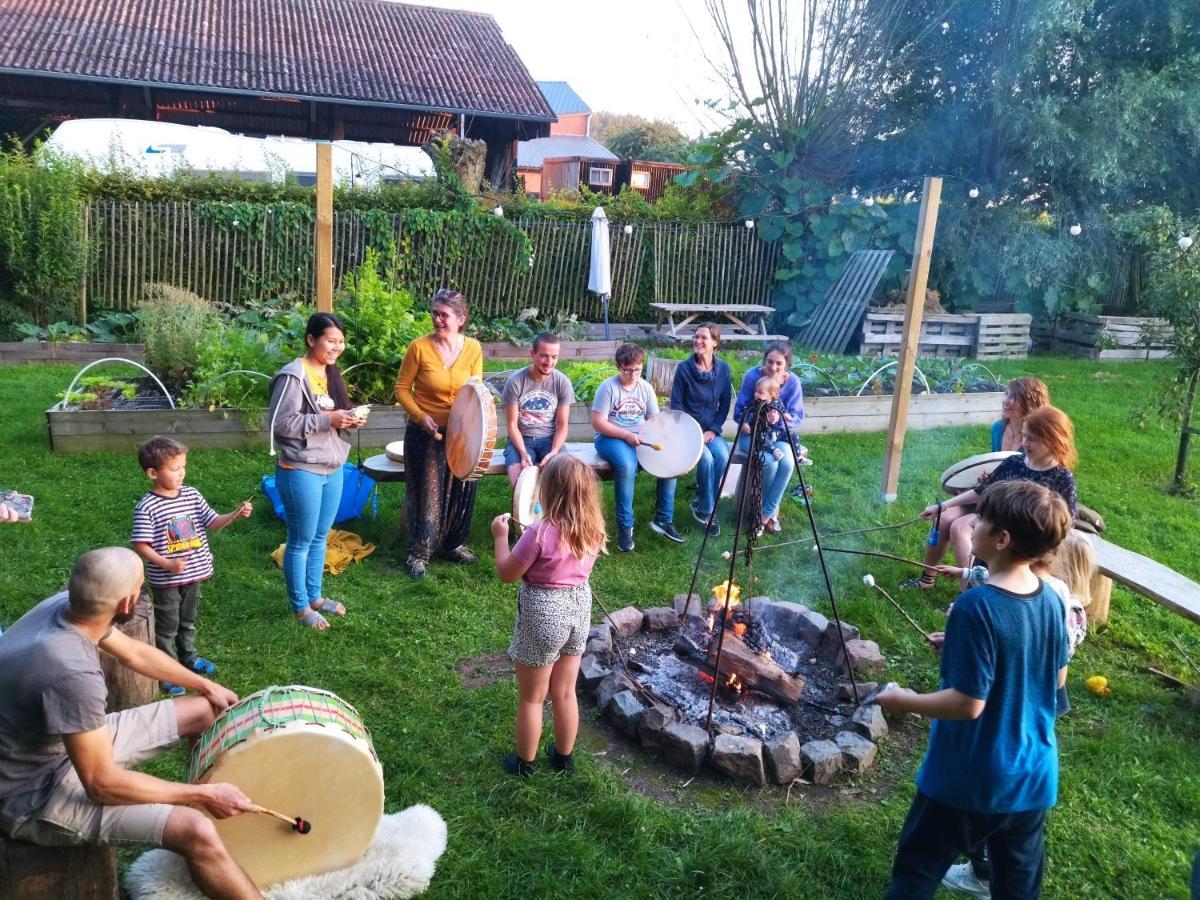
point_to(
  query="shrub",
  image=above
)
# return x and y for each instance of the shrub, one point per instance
(175, 322)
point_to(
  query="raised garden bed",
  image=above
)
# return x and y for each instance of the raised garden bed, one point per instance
(121, 430)
(1112, 337)
(12, 352)
(977, 335)
(568, 350)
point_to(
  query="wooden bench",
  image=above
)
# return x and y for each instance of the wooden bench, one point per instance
(1144, 576)
(32, 872)
(383, 468)
(740, 321)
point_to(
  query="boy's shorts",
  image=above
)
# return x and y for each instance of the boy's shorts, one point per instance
(551, 622)
(69, 817)
(537, 448)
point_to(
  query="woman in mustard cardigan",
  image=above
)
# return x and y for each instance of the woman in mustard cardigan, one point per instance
(437, 506)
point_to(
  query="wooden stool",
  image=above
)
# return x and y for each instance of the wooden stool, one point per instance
(31, 872)
(126, 688)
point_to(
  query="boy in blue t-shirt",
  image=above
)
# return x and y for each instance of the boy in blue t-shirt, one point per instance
(991, 770)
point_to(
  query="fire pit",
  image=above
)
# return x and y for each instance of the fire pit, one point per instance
(783, 706)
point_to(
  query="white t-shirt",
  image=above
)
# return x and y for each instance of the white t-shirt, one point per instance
(626, 408)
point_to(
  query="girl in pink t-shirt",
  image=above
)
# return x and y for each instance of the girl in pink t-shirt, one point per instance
(554, 605)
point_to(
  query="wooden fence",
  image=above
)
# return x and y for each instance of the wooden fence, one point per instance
(231, 262)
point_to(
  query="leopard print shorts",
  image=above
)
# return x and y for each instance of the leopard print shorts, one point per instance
(551, 622)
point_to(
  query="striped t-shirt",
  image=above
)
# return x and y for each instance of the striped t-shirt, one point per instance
(175, 526)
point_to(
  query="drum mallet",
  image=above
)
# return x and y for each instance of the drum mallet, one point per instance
(298, 824)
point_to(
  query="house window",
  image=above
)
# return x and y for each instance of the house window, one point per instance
(640, 180)
(598, 177)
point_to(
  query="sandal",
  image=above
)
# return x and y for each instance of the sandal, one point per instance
(417, 567)
(772, 526)
(310, 618)
(325, 605)
(461, 555)
(919, 583)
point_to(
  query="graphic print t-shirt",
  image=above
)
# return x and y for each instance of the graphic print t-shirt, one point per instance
(627, 408)
(537, 402)
(175, 526)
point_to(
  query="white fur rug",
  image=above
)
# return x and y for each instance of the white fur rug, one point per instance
(399, 863)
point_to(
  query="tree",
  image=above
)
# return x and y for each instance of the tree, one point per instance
(631, 136)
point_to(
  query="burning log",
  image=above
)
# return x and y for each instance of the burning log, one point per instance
(741, 665)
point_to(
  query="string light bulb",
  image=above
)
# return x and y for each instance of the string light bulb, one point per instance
(498, 212)
(749, 223)
(628, 229)
(1076, 230)
(973, 193)
(1185, 242)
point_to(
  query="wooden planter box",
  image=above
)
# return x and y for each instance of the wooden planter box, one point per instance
(1112, 337)
(12, 352)
(978, 335)
(568, 350)
(98, 431)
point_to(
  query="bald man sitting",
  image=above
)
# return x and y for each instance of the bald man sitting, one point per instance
(63, 775)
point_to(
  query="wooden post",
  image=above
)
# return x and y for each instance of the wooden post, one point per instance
(918, 278)
(87, 265)
(324, 253)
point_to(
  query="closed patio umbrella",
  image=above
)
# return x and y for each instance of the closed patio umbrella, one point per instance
(600, 270)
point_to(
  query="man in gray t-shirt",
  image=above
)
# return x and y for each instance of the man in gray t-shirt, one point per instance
(537, 406)
(65, 766)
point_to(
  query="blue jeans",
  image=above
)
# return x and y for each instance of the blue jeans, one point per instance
(536, 447)
(713, 458)
(776, 473)
(309, 504)
(623, 459)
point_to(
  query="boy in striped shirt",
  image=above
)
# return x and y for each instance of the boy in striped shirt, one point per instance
(170, 525)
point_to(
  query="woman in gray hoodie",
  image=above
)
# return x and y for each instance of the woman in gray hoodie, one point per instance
(309, 410)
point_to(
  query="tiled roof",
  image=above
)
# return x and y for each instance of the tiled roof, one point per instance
(530, 154)
(562, 98)
(362, 51)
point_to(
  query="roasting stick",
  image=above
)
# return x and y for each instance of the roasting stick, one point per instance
(869, 581)
(298, 824)
(911, 562)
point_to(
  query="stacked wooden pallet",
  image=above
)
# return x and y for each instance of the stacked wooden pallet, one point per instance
(985, 336)
(1112, 337)
(1003, 336)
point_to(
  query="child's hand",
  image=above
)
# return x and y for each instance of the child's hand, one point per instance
(500, 525)
(244, 510)
(936, 640)
(930, 511)
(773, 416)
(949, 571)
(176, 564)
(892, 696)
(777, 453)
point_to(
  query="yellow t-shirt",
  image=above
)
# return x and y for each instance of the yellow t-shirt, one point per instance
(319, 382)
(426, 386)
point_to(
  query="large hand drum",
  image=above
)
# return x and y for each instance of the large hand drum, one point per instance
(304, 752)
(395, 451)
(962, 476)
(680, 442)
(471, 431)
(527, 502)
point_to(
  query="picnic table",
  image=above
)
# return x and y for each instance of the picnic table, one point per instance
(747, 321)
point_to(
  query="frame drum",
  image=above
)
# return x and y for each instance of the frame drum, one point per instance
(395, 451)
(471, 431)
(963, 476)
(527, 503)
(681, 441)
(304, 752)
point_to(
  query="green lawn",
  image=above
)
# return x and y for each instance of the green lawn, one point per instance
(1128, 820)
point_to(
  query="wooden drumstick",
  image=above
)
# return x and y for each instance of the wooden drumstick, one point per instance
(437, 436)
(298, 824)
(652, 446)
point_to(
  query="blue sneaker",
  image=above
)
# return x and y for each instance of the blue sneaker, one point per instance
(171, 690)
(202, 666)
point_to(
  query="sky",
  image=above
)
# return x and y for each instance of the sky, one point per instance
(625, 56)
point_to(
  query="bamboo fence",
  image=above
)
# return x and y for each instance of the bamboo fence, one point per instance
(134, 244)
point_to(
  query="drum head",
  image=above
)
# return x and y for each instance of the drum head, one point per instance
(527, 506)
(965, 475)
(681, 442)
(470, 430)
(395, 451)
(320, 774)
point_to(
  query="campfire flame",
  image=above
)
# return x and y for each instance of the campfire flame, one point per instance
(730, 588)
(734, 683)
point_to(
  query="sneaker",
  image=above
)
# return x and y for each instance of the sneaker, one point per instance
(461, 555)
(171, 689)
(514, 765)
(559, 762)
(202, 666)
(962, 878)
(919, 583)
(667, 530)
(714, 530)
(417, 567)
(624, 538)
